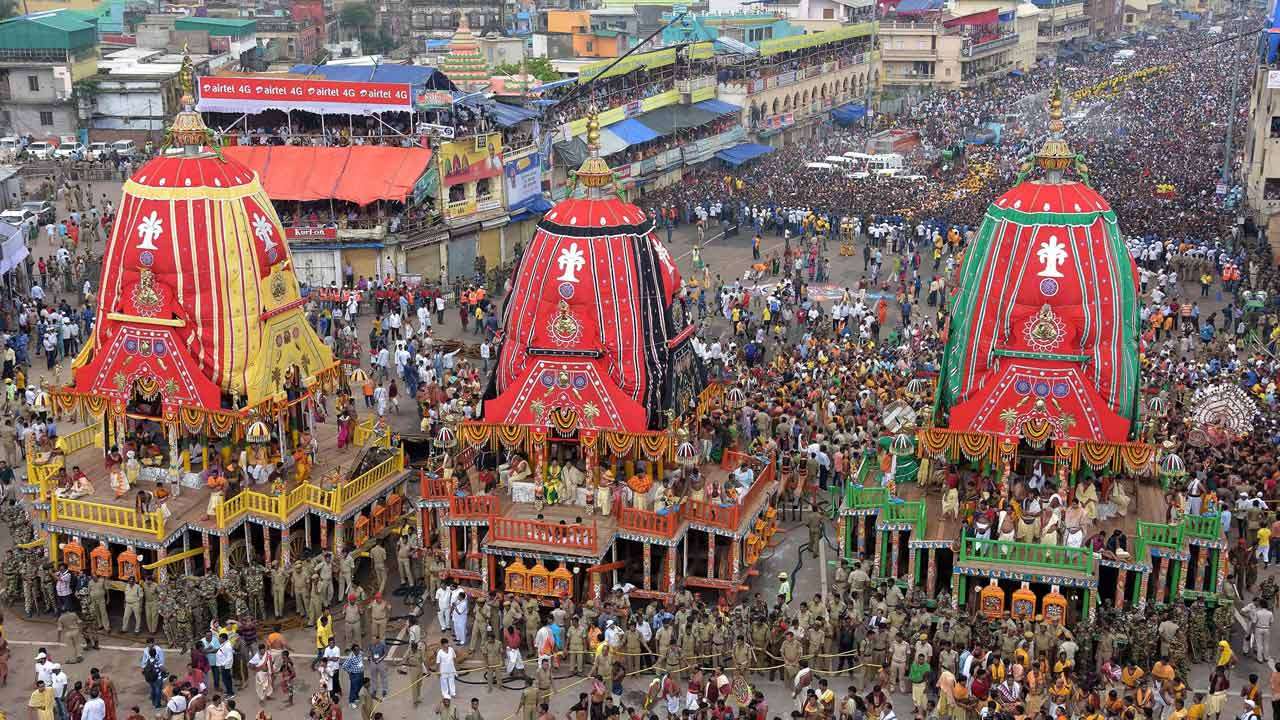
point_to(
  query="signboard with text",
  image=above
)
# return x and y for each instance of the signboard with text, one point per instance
(311, 232)
(254, 94)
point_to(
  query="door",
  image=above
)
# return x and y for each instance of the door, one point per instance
(462, 257)
(316, 269)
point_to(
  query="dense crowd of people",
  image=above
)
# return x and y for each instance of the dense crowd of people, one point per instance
(819, 366)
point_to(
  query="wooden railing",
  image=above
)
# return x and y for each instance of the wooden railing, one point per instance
(473, 506)
(367, 481)
(1169, 536)
(1204, 527)
(650, 523)
(912, 512)
(42, 476)
(365, 432)
(78, 440)
(729, 517)
(113, 516)
(1056, 557)
(433, 488)
(247, 501)
(544, 533)
(863, 498)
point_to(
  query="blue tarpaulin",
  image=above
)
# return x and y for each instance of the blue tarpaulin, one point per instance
(557, 83)
(907, 7)
(849, 113)
(509, 115)
(537, 205)
(633, 131)
(505, 115)
(418, 76)
(743, 152)
(719, 107)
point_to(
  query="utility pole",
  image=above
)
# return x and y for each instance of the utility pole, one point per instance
(1231, 107)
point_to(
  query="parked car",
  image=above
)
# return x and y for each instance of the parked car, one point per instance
(125, 148)
(17, 217)
(69, 151)
(42, 150)
(43, 210)
(10, 147)
(97, 150)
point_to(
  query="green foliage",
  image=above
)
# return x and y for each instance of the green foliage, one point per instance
(356, 15)
(539, 67)
(8, 9)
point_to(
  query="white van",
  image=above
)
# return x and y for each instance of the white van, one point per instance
(125, 148)
(41, 150)
(9, 147)
(69, 151)
(887, 161)
(820, 166)
(838, 160)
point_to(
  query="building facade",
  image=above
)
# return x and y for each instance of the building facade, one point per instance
(42, 57)
(957, 52)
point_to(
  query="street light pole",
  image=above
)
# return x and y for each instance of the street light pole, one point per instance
(1231, 107)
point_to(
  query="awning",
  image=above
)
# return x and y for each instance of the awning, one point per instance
(632, 131)
(419, 76)
(13, 246)
(986, 17)
(570, 153)
(743, 152)
(918, 6)
(509, 115)
(667, 120)
(556, 83)
(718, 107)
(611, 143)
(849, 113)
(360, 174)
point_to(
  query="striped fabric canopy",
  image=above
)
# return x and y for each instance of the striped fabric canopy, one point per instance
(1044, 331)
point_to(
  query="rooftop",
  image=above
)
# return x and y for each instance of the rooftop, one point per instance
(216, 26)
(57, 30)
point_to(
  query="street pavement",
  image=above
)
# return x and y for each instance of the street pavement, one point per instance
(120, 654)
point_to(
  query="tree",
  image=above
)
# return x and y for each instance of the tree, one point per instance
(8, 9)
(538, 67)
(357, 15)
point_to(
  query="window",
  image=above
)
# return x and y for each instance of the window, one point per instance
(590, 46)
(1271, 189)
(1275, 126)
(33, 83)
(5, 118)
(457, 193)
(828, 14)
(46, 118)
(482, 189)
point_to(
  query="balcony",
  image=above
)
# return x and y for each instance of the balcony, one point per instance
(916, 79)
(1056, 558)
(909, 28)
(982, 47)
(910, 54)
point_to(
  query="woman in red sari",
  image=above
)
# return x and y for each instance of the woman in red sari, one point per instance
(106, 690)
(74, 701)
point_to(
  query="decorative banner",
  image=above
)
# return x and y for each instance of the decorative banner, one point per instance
(311, 232)
(466, 162)
(255, 94)
(523, 179)
(433, 100)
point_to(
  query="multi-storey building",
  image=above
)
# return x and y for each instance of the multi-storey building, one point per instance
(42, 56)
(1061, 21)
(937, 49)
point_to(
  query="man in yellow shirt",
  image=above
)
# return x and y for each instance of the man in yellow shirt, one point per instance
(1197, 709)
(1264, 545)
(41, 702)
